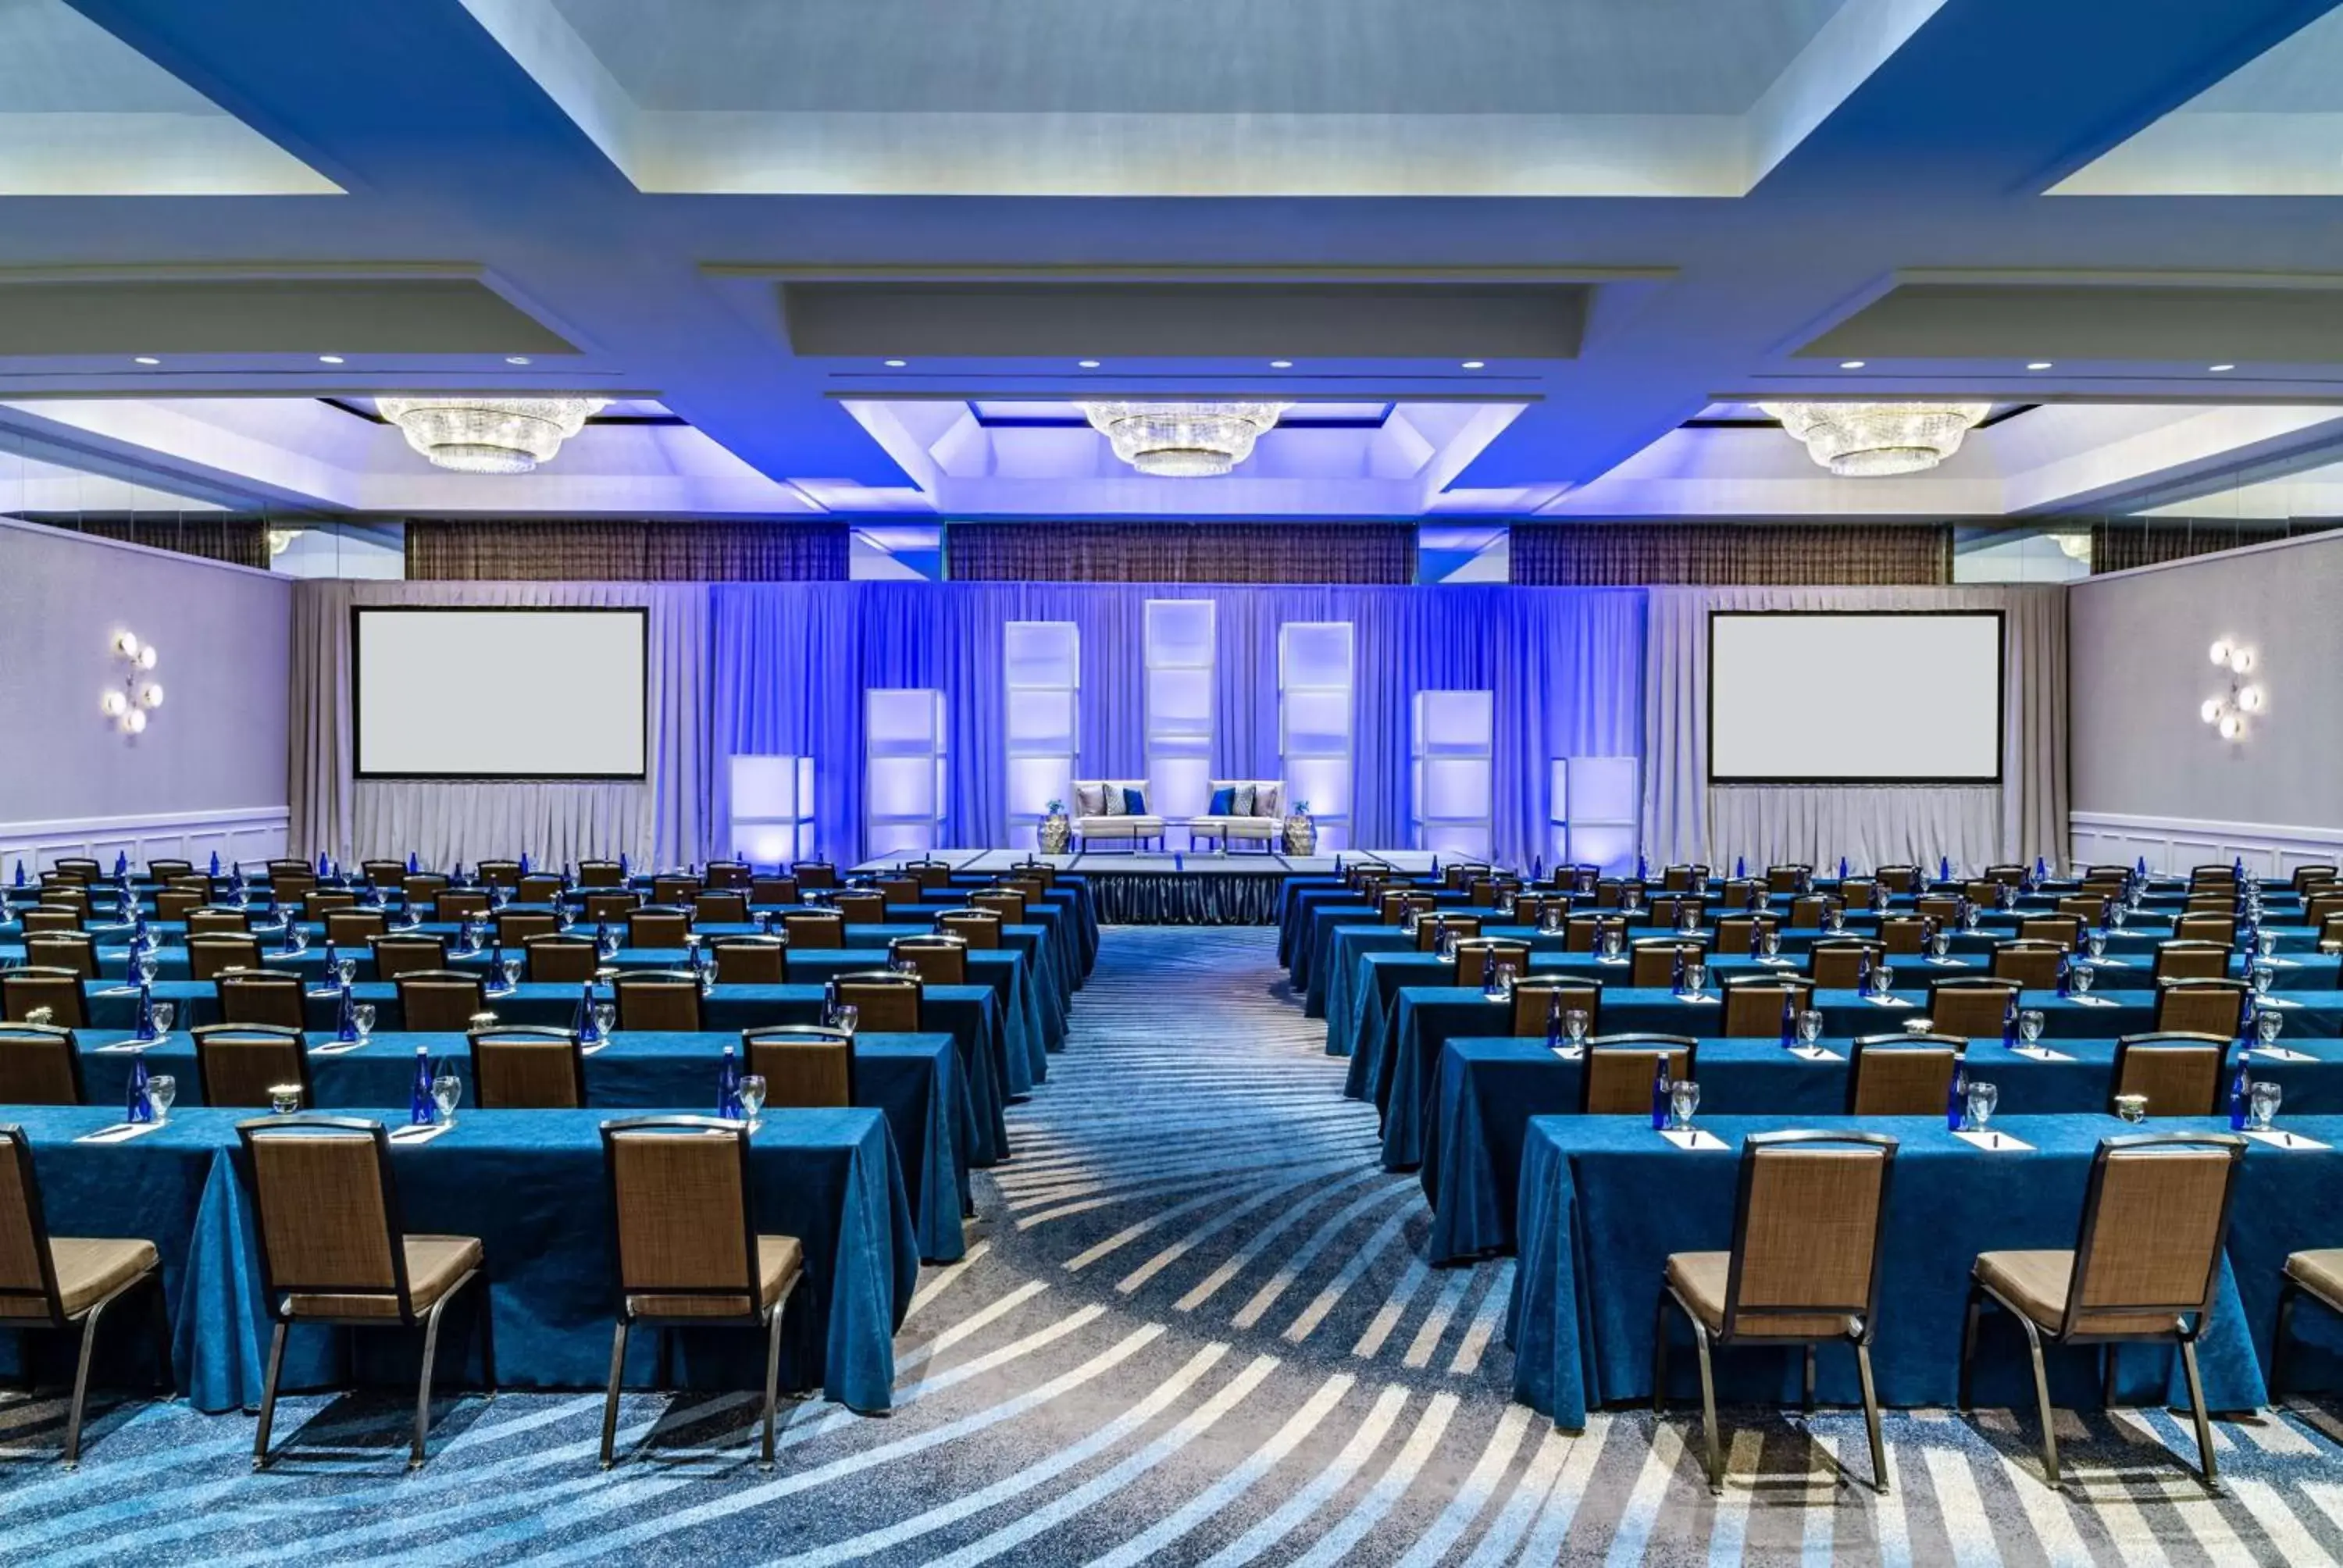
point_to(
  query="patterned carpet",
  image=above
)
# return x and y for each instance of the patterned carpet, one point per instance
(1194, 1329)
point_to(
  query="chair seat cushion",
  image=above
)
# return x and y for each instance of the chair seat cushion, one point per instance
(1118, 827)
(88, 1271)
(1699, 1281)
(434, 1265)
(780, 1260)
(1242, 827)
(2035, 1284)
(2321, 1272)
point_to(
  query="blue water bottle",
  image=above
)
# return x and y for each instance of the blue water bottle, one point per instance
(346, 1015)
(414, 863)
(145, 1030)
(727, 1085)
(524, 862)
(1756, 937)
(139, 1107)
(1553, 1021)
(1643, 868)
(1957, 1099)
(214, 863)
(582, 1024)
(1660, 1094)
(2009, 1024)
(121, 864)
(1863, 972)
(2065, 975)
(1676, 973)
(496, 962)
(1943, 868)
(1740, 867)
(20, 872)
(2240, 1092)
(1842, 867)
(419, 1096)
(1789, 1018)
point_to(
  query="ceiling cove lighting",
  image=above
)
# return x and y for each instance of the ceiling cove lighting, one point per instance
(489, 435)
(1182, 441)
(1865, 440)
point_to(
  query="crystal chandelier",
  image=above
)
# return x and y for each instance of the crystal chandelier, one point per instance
(489, 435)
(1182, 441)
(1866, 439)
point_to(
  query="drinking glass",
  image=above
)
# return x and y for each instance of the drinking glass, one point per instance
(284, 1098)
(1448, 946)
(2081, 976)
(1500, 978)
(2119, 915)
(510, 970)
(296, 936)
(1688, 917)
(2029, 1025)
(2267, 1022)
(2132, 1108)
(1550, 918)
(1883, 978)
(1970, 914)
(2262, 1100)
(2095, 944)
(606, 1015)
(1613, 940)
(1834, 920)
(607, 945)
(362, 1018)
(2264, 975)
(162, 1092)
(1940, 944)
(564, 916)
(165, 1013)
(752, 1097)
(346, 970)
(2266, 943)
(147, 969)
(1809, 1025)
(1574, 1025)
(1982, 1099)
(1695, 977)
(1769, 941)
(845, 1016)
(1631, 900)
(1684, 1098)
(446, 1090)
(1415, 921)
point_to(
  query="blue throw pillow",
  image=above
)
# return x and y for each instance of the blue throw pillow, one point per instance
(1224, 800)
(1134, 803)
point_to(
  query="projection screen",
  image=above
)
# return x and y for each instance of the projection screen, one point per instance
(463, 692)
(1855, 698)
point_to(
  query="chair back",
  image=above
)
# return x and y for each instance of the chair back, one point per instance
(1529, 908)
(1611, 892)
(1009, 906)
(597, 908)
(538, 888)
(1807, 1225)
(1428, 930)
(727, 874)
(815, 874)
(768, 890)
(260, 996)
(237, 1064)
(1675, 878)
(164, 870)
(174, 905)
(2201, 1007)
(23, 990)
(59, 910)
(39, 1065)
(805, 1066)
(523, 1069)
(1984, 891)
(1899, 879)
(2192, 960)
(2154, 1217)
(601, 874)
(2207, 928)
(899, 890)
(555, 960)
(657, 928)
(1617, 1075)
(815, 930)
(1812, 911)
(2032, 964)
(422, 888)
(457, 904)
(2179, 1073)
(2090, 907)
(1752, 1003)
(28, 1281)
(499, 873)
(2330, 933)
(76, 868)
(980, 928)
(1786, 879)
(1971, 1008)
(864, 908)
(1902, 1074)
(1903, 935)
(750, 960)
(1653, 960)
(1041, 871)
(1941, 908)
(212, 953)
(514, 926)
(934, 876)
(1474, 955)
(1540, 1001)
(2062, 932)
(316, 905)
(75, 951)
(721, 906)
(326, 1211)
(1733, 931)
(407, 953)
(1744, 893)
(685, 1225)
(439, 1002)
(2307, 876)
(353, 927)
(1584, 933)
(1668, 910)
(2318, 906)
(937, 961)
(2224, 878)
(1855, 892)
(666, 1001)
(204, 921)
(885, 1002)
(1394, 907)
(673, 890)
(1838, 963)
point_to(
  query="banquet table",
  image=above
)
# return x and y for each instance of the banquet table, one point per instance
(1399, 1072)
(970, 1014)
(914, 1079)
(1489, 1090)
(531, 1185)
(1605, 1200)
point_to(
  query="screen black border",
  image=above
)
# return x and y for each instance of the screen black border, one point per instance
(357, 717)
(2000, 706)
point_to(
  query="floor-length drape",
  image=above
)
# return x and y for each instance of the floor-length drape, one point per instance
(1687, 818)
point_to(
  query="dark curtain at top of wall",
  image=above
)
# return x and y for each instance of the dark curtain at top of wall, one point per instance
(239, 541)
(2118, 544)
(599, 550)
(1627, 555)
(1381, 553)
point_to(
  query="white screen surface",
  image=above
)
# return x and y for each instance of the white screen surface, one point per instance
(501, 693)
(1853, 699)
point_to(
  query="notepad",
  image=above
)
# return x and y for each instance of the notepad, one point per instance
(127, 1045)
(2094, 1001)
(119, 990)
(1611, 963)
(1887, 1001)
(336, 1048)
(2280, 1140)
(1697, 1000)
(1995, 1142)
(591, 1049)
(2275, 1001)
(2282, 1053)
(1693, 1138)
(1948, 963)
(1814, 1054)
(2039, 1053)
(411, 1134)
(120, 1132)
(1569, 1052)
(2112, 964)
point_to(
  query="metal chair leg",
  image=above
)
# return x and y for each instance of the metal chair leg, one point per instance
(772, 1379)
(1871, 1419)
(2286, 1291)
(487, 1339)
(1660, 1354)
(1968, 1347)
(1708, 1411)
(2042, 1397)
(1807, 1392)
(268, 1395)
(2197, 1409)
(2107, 1374)
(423, 1385)
(165, 1351)
(81, 1383)
(610, 1401)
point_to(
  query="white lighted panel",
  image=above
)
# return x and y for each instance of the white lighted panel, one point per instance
(1452, 740)
(1594, 805)
(1044, 660)
(1182, 654)
(903, 781)
(772, 808)
(1315, 670)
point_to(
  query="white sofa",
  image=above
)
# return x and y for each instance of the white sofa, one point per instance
(1264, 825)
(1099, 816)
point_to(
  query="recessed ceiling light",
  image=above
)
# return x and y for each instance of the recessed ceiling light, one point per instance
(148, 359)
(1086, 364)
(329, 359)
(2039, 365)
(1281, 365)
(2217, 370)
(515, 358)
(1850, 364)
(894, 364)
(1473, 364)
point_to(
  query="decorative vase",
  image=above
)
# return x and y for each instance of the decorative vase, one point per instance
(1301, 835)
(1056, 836)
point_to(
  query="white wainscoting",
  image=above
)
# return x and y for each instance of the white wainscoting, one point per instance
(249, 835)
(2174, 844)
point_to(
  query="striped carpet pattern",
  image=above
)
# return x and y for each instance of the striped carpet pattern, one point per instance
(1193, 1328)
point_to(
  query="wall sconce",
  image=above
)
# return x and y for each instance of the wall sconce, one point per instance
(2227, 714)
(128, 703)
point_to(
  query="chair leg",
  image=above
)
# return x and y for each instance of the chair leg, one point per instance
(1968, 1347)
(1708, 1411)
(2042, 1398)
(268, 1395)
(165, 1351)
(1871, 1419)
(2107, 1374)
(610, 1401)
(2197, 1409)
(2286, 1291)
(1660, 1354)
(81, 1383)
(1807, 1388)
(663, 1377)
(772, 1378)
(423, 1384)
(487, 1339)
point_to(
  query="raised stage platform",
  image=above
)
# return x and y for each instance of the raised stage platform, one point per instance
(1210, 888)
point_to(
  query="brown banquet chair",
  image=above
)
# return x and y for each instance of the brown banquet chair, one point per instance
(980, 928)
(750, 960)
(40, 1064)
(409, 952)
(1902, 1074)
(664, 1001)
(2179, 1073)
(261, 996)
(1972, 1008)
(1477, 955)
(555, 960)
(822, 931)
(213, 953)
(1540, 1001)
(2192, 960)
(805, 1066)
(25, 990)
(237, 1064)
(885, 1002)
(522, 1068)
(1619, 1069)
(2201, 1006)
(936, 961)
(1752, 1003)
(440, 1002)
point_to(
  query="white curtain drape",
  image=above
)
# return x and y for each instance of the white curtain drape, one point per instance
(1687, 818)
(659, 822)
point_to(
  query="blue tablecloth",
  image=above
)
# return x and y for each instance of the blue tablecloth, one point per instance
(1399, 1072)
(1605, 1200)
(913, 1079)
(530, 1185)
(1490, 1088)
(971, 1014)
